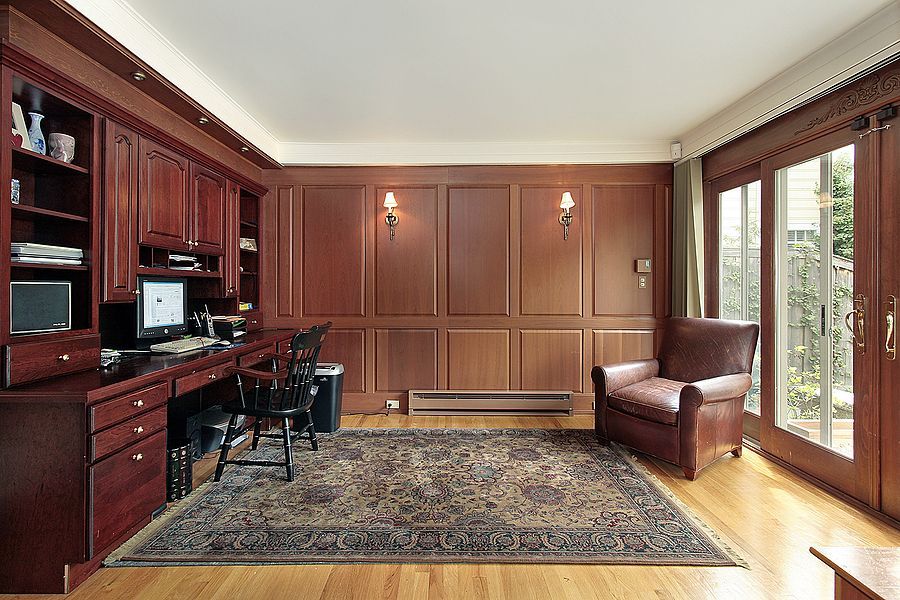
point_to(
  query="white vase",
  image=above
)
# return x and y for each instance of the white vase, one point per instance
(35, 134)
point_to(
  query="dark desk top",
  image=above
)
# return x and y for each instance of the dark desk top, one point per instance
(138, 371)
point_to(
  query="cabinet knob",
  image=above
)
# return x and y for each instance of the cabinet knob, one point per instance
(63, 357)
(137, 457)
(139, 429)
(138, 403)
(212, 375)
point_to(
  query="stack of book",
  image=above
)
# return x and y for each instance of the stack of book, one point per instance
(183, 262)
(25, 252)
(179, 472)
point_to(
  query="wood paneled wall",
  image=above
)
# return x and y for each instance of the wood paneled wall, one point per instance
(478, 290)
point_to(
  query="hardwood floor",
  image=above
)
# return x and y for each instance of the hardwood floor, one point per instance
(764, 512)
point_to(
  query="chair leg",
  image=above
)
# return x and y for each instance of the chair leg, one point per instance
(256, 425)
(226, 447)
(691, 474)
(312, 432)
(288, 455)
(738, 451)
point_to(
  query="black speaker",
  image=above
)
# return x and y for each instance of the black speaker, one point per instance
(38, 306)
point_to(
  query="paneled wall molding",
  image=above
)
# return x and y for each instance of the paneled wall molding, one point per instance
(479, 289)
(871, 43)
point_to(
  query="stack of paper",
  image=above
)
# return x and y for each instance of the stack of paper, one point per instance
(183, 262)
(25, 252)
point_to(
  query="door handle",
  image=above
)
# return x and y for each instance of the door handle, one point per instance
(890, 337)
(858, 327)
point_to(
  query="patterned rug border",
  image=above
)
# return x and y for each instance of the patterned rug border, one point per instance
(116, 558)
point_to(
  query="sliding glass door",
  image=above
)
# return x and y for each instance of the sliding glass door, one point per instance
(814, 270)
(818, 276)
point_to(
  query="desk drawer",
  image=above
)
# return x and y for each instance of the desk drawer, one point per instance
(198, 379)
(41, 360)
(124, 407)
(132, 430)
(254, 320)
(125, 489)
(254, 358)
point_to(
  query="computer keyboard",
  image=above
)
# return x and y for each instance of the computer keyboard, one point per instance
(185, 345)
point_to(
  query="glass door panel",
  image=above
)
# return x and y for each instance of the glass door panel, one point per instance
(739, 266)
(814, 286)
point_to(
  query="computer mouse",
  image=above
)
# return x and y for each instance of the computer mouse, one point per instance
(222, 343)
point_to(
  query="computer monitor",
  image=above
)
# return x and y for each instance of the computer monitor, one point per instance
(162, 307)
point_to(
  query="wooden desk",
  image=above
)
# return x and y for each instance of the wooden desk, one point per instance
(84, 459)
(862, 573)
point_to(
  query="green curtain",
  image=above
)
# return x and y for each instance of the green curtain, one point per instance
(687, 240)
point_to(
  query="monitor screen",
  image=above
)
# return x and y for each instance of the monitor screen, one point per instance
(162, 309)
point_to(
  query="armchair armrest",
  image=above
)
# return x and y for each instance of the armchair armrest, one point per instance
(716, 389)
(617, 376)
(267, 375)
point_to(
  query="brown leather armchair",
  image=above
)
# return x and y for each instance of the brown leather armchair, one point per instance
(687, 405)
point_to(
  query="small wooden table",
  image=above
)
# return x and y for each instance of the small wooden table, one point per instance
(861, 573)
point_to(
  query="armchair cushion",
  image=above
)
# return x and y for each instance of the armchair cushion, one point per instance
(716, 389)
(654, 399)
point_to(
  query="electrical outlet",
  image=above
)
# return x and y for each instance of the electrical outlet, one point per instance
(392, 404)
(642, 282)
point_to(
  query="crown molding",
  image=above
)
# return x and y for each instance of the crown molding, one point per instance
(118, 19)
(866, 46)
(474, 153)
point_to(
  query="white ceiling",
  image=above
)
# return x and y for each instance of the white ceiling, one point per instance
(516, 72)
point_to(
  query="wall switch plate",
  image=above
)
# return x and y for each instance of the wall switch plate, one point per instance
(392, 404)
(642, 281)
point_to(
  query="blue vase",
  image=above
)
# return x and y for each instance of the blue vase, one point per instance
(35, 134)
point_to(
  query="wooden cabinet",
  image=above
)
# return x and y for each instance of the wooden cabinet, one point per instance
(207, 211)
(125, 489)
(231, 272)
(120, 205)
(164, 197)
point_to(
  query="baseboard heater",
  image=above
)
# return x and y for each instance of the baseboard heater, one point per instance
(491, 402)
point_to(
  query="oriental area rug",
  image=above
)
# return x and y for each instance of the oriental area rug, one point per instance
(433, 496)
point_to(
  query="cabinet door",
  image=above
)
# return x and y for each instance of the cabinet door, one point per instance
(207, 210)
(231, 274)
(120, 203)
(163, 194)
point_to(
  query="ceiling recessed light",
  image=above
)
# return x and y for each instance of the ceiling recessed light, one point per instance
(139, 75)
(203, 120)
(245, 149)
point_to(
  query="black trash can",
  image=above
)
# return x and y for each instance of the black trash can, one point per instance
(326, 409)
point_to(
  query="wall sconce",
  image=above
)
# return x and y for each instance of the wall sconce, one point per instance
(565, 217)
(390, 203)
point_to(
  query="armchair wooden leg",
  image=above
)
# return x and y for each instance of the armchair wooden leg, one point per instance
(226, 447)
(738, 451)
(691, 474)
(288, 455)
(256, 425)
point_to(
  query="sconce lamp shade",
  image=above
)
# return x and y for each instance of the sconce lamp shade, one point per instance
(389, 200)
(567, 202)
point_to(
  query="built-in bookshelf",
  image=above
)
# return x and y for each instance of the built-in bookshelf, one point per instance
(56, 203)
(249, 257)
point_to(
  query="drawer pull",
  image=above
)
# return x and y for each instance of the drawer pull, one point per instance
(254, 322)
(212, 376)
(63, 357)
(260, 355)
(138, 403)
(137, 457)
(139, 429)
